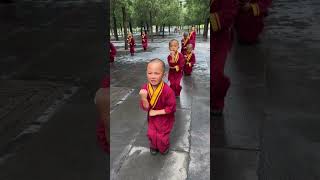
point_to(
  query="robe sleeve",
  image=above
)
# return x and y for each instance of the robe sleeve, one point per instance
(182, 44)
(261, 7)
(171, 102)
(141, 103)
(223, 18)
(169, 58)
(142, 107)
(133, 42)
(113, 49)
(193, 59)
(181, 61)
(105, 82)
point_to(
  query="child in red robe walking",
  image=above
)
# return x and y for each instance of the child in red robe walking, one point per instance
(102, 103)
(158, 99)
(190, 60)
(113, 52)
(222, 15)
(184, 42)
(176, 63)
(131, 43)
(144, 40)
(250, 20)
(192, 37)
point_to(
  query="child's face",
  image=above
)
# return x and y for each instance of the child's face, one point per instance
(174, 46)
(155, 73)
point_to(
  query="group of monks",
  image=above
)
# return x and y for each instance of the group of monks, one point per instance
(131, 43)
(245, 18)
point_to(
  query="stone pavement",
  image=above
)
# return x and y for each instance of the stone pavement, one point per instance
(47, 114)
(189, 157)
(270, 127)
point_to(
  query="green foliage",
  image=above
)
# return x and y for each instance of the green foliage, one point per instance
(168, 12)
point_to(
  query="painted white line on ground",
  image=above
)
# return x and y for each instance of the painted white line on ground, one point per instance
(36, 125)
(122, 100)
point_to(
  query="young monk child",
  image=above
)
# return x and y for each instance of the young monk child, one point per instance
(144, 40)
(176, 62)
(113, 52)
(102, 104)
(192, 37)
(185, 41)
(131, 43)
(190, 60)
(158, 99)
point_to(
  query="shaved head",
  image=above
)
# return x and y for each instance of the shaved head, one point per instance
(173, 40)
(157, 60)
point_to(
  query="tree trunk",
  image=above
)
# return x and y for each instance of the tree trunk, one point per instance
(130, 26)
(115, 26)
(125, 27)
(151, 33)
(169, 29)
(141, 28)
(163, 30)
(156, 29)
(121, 30)
(205, 31)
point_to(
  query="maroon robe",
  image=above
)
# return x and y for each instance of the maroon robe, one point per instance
(101, 127)
(175, 76)
(190, 61)
(249, 24)
(159, 127)
(192, 38)
(113, 52)
(132, 44)
(184, 43)
(144, 40)
(222, 15)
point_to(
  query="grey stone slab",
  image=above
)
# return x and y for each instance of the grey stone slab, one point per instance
(65, 147)
(234, 164)
(179, 137)
(117, 94)
(126, 122)
(184, 101)
(242, 122)
(180, 132)
(140, 164)
(291, 149)
(201, 89)
(199, 167)
(23, 101)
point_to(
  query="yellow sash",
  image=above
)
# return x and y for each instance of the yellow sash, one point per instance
(190, 34)
(154, 95)
(176, 58)
(255, 8)
(189, 57)
(185, 41)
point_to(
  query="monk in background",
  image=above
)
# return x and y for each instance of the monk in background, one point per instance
(249, 23)
(222, 16)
